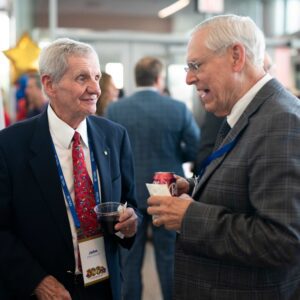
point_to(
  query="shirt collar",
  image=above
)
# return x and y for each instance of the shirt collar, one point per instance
(146, 88)
(63, 132)
(242, 103)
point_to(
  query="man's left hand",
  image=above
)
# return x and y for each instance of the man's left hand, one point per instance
(168, 211)
(127, 224)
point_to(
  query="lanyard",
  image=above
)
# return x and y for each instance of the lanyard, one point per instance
(216, 154)
(67, 192)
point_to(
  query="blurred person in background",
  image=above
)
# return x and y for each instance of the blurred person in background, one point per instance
(7, 120)
(21, 101)
(164, 135)
(268, 63)
(109, 93)
(238, 224)
(209, 130)
(3, 102)
(36, 100)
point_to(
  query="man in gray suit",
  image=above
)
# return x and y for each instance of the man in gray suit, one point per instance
(240, 230)
(163, 134)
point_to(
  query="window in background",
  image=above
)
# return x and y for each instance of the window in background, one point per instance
(4, 45)
(116, 70)
(44, 43)
(177, 85)
(284, 71)
(209, 6)
(292, 16)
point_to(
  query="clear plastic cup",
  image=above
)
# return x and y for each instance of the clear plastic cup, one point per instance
(108, 215)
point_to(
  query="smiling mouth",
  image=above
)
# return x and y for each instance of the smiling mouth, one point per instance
(89, 100)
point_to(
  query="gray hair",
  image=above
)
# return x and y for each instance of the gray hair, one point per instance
(53, 58)
(225, 30)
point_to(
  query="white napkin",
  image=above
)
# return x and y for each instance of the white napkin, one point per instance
(121, 209)
(158, 189)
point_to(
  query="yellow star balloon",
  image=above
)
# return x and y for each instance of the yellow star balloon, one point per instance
(24, 57)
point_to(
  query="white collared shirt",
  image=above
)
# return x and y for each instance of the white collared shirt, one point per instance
(242, 103)
(146, 88)
(62, 135)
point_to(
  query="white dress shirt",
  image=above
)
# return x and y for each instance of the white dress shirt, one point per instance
(62, 135)
(242, 104)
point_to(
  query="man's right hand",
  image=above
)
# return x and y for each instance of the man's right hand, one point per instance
(50, 289)
(182, 186)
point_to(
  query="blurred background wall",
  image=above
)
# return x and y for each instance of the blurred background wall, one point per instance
(122, 31)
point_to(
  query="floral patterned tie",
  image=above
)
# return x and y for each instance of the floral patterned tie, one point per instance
(84, 191)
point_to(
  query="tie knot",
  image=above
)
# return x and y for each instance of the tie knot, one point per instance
(76, 137)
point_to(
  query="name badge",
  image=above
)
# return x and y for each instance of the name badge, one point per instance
(93, 260)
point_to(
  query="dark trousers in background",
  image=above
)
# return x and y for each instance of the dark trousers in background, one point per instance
(100, 291)
(132, 260)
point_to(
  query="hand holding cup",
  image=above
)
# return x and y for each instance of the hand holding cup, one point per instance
(108, 216)
(116, 217)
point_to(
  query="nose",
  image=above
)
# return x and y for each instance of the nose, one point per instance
(94, 87)
(190, 78)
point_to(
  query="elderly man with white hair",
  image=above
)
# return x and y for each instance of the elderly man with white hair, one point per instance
(238, 224)
(54, 169)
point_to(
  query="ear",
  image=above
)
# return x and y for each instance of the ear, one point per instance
(238, 54)
(48, 85)
(160, 82)
(157, 80)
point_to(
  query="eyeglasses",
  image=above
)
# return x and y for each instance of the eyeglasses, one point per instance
(192, 67)
(195, 66)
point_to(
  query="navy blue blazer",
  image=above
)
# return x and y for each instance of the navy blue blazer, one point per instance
(34, 229)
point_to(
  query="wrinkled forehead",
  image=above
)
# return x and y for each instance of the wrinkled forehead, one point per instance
(91, 57)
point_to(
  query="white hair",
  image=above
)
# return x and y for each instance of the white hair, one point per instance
(53, 58)
(225, 30)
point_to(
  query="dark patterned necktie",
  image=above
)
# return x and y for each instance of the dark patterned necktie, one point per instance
(84, 191)
(223, 131)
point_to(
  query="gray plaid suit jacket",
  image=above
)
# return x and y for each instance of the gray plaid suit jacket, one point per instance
(240, 239)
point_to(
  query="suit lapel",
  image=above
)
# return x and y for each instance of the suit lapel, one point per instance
(237, 131)
(102, 157)
(45, 171)
(234, 134)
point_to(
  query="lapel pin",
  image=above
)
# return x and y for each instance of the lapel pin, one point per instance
(105, 152)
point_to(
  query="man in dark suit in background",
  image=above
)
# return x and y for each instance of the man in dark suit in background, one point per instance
(209, 131)
(239, 231)
(40, 222)
(164, 135)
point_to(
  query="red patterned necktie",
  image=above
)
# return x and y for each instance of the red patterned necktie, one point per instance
(84, 191)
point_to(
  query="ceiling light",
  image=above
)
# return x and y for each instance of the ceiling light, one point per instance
(173, 8)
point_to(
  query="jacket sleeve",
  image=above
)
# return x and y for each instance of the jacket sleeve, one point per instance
(209, 131)
(248, 209)
(128, 183)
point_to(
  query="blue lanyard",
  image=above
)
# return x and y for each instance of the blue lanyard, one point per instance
(67, 192)
(216, 154)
